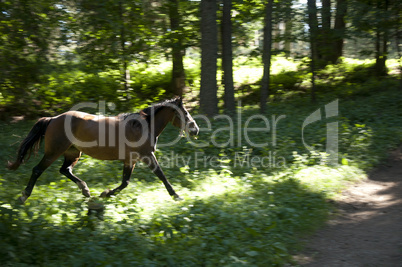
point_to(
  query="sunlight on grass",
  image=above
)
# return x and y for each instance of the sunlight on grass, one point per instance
(247, 75)
(357, 62)
(282, 64)
(154, 199)
(215, 184)
(394, 66)
(190, 63)
(251, 72)
(329, 180)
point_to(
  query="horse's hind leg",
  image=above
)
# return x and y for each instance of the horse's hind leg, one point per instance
(127, 170)
(71, 157)
(46, 161)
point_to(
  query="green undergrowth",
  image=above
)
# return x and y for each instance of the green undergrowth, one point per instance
(243, 204)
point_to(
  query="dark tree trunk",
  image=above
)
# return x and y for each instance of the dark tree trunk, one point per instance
(381, 54)
(339, 28)
(209, 55)
(125, 72)
(178, 82)
(326, 49)
(398, 37)
(266, 57)
(313, 28)
(227, 57)
(326, 14)
(381, 44)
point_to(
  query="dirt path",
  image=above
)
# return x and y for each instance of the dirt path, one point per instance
(368, 229)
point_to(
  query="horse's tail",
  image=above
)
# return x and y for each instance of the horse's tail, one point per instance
(31, 143)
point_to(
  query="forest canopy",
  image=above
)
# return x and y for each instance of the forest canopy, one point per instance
(294, 101)
(57, 53)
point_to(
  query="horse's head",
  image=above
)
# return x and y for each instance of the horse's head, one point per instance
(183, 119)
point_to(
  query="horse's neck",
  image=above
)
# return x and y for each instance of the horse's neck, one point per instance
(160, 120)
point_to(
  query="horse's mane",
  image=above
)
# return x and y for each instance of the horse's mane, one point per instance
(150, 111)
(155, 108)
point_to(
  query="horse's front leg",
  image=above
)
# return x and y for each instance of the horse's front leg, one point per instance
(153, 164)
(127, 170)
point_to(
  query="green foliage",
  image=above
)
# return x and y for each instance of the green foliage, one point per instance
(26, 31)
(285, 81)
(63, 90)
(234, 213)
(60, 91)
(360, 73)
(112, 33)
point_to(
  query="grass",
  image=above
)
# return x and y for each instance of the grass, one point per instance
(243, 205)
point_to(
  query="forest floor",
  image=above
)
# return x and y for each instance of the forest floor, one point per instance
(367, 229)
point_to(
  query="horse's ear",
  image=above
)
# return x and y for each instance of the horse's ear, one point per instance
(143, 114)
(179, 100)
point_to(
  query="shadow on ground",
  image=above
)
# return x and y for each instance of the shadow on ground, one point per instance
(368, 230)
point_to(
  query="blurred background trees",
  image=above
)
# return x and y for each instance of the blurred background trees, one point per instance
(135, 52)
(209, 57)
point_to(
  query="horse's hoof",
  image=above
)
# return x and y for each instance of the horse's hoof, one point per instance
(106, 193)
(177, 198)
(86, 192)
(22, 198)
(84, 188)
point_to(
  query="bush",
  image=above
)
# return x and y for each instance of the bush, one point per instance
(361, 73)
(286, 81)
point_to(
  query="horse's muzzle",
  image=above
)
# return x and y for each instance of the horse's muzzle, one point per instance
(192, 129)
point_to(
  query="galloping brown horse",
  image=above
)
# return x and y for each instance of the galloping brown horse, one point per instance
(127, 137)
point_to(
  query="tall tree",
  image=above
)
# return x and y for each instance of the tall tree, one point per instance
(123, 55)
(227, 56)
(111, 34)
(288, 18)
(313, 29)
(376, 22)
(339, 28)
(27, 31)
(284, 20)
(266, 57)
(178, 75)
(382, 36)
(330, 31)
(209, 55)
(325, 47)
(398, 38)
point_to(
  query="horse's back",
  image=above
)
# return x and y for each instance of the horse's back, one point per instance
(79, 116)
(74, 122)
(76, 128)
(97, 136)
